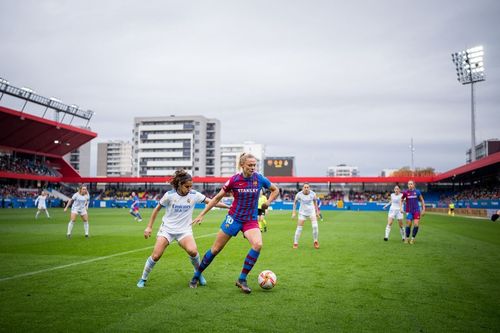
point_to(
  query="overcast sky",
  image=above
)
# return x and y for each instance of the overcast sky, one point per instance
(328, 82)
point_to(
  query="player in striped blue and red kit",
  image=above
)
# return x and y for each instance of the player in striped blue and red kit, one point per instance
(134, 208)
(412, 197)
(245, 187)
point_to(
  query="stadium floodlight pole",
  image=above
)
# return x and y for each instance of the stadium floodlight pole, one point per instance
(28, 95)
(412, 150)
(470, 69)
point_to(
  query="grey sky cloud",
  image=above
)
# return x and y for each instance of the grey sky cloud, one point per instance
(326, 81)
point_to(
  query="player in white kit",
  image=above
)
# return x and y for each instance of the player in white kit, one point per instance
(176, 226)
(80, 201)
(395, 212)
(41, 203)
(308, 209)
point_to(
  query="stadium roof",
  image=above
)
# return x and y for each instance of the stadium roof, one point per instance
(487, 166)
(24, 132)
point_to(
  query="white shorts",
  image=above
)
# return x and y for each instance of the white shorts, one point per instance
(173, 236)
(312, 217)
(42, 207)
(395, 214)
(79, 212)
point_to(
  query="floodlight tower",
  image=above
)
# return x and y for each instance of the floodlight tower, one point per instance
(470, 69)
(412, 150)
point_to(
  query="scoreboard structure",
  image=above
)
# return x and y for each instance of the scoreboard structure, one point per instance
(279, 166)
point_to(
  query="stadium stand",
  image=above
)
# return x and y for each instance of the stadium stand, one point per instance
(31, 151)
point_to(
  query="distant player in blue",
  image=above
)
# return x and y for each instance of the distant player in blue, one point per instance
(318, 204)
(134, 208)
(245, 187)
(412, 197)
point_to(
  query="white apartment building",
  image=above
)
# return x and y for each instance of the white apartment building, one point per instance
(230, 154)
(343, 170)
(114, 158)
(80, 159)
(164, 144)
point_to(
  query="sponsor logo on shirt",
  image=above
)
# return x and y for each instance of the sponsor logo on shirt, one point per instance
(248, 190)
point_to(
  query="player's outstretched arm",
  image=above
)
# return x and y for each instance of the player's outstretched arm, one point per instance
(68, 204)
(316, 209)
(274, 194)
(214, 201)
(149, 227)
(294, 206)
(219, 204)
(423, 204)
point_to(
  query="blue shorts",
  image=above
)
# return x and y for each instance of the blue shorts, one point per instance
(231, 226)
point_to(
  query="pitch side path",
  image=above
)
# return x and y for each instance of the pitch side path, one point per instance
(448, 281)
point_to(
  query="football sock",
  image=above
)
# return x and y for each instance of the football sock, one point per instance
(148, 267)
(70, 227)
(402, 232)
(133, 214)
(250, 260)
(298, 231)
(86, 227)
(139, 216)
(415, 230)
(47, 213)
(207, 259)
(408, 232)
(387, 231)
(37, 213)
(315, 230)
(261, 225)
(195, 261)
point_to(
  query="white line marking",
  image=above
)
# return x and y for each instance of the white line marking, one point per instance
(85, 261)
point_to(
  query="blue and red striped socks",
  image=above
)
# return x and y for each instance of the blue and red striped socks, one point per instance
(207, 259)
(414, 233)
(250, 260)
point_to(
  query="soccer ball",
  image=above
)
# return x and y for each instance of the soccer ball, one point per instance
(267, 279)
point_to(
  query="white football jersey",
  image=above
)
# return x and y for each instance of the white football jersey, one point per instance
(179, 210)
(41, 200)
(79, 201)
(306, 203)
(396, 200)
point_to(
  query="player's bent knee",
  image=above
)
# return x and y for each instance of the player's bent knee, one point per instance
(156, 256)
(216, 249)
(257, 246)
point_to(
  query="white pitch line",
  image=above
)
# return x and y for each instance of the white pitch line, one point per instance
(84, 262)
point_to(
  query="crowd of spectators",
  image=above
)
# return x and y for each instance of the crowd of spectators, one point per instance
(330, 198)
(369, 196)
(125, 194)
(25, 165)
(12, 191)
(472, 194)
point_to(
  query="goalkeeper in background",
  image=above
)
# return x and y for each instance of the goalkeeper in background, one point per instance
(262, 213)
(451, 209)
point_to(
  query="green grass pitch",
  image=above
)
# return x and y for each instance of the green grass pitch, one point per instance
(448, 281)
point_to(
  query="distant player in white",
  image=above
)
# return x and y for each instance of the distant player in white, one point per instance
(308, 209)
(176, 226)
(395, 212)
(80, 201)
(41, 203)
